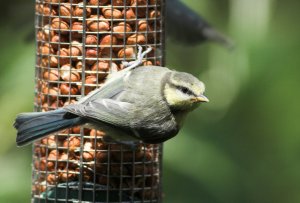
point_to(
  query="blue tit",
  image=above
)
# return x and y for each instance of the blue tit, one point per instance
(186, 26)
(138, 103)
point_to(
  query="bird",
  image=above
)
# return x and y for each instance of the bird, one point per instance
(137, 104)
(185, 26)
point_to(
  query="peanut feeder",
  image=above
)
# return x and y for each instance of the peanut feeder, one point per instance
(79, 42)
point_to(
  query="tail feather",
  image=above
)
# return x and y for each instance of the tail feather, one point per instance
(25, 120)
(23, 117)
(33, 126)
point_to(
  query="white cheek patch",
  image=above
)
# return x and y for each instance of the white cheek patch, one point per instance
(181, 95)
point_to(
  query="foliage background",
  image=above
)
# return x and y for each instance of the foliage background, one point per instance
(244, 146)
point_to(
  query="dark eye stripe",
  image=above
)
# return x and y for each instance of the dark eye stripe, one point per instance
(186, 90)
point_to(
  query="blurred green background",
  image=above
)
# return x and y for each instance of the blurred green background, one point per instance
(243, 146)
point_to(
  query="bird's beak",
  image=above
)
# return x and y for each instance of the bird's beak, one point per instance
(201, 98)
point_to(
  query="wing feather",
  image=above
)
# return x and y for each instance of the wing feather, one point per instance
(106, 110)
(112, 87)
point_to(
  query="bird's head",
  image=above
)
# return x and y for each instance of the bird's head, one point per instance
(183, 91)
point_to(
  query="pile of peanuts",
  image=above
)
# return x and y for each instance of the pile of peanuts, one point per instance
(58, 159)
(78, 45)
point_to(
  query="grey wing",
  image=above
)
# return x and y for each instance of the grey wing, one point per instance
(105, 110)
(106, 91)
(113, 86)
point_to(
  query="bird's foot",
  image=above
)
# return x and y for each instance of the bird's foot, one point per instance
(139, 59)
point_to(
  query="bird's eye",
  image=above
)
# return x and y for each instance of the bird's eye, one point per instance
(185, 90)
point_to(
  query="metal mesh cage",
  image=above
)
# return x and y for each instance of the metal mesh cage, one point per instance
(78, 43)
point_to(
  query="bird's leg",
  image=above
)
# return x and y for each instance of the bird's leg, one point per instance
(139, 59)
